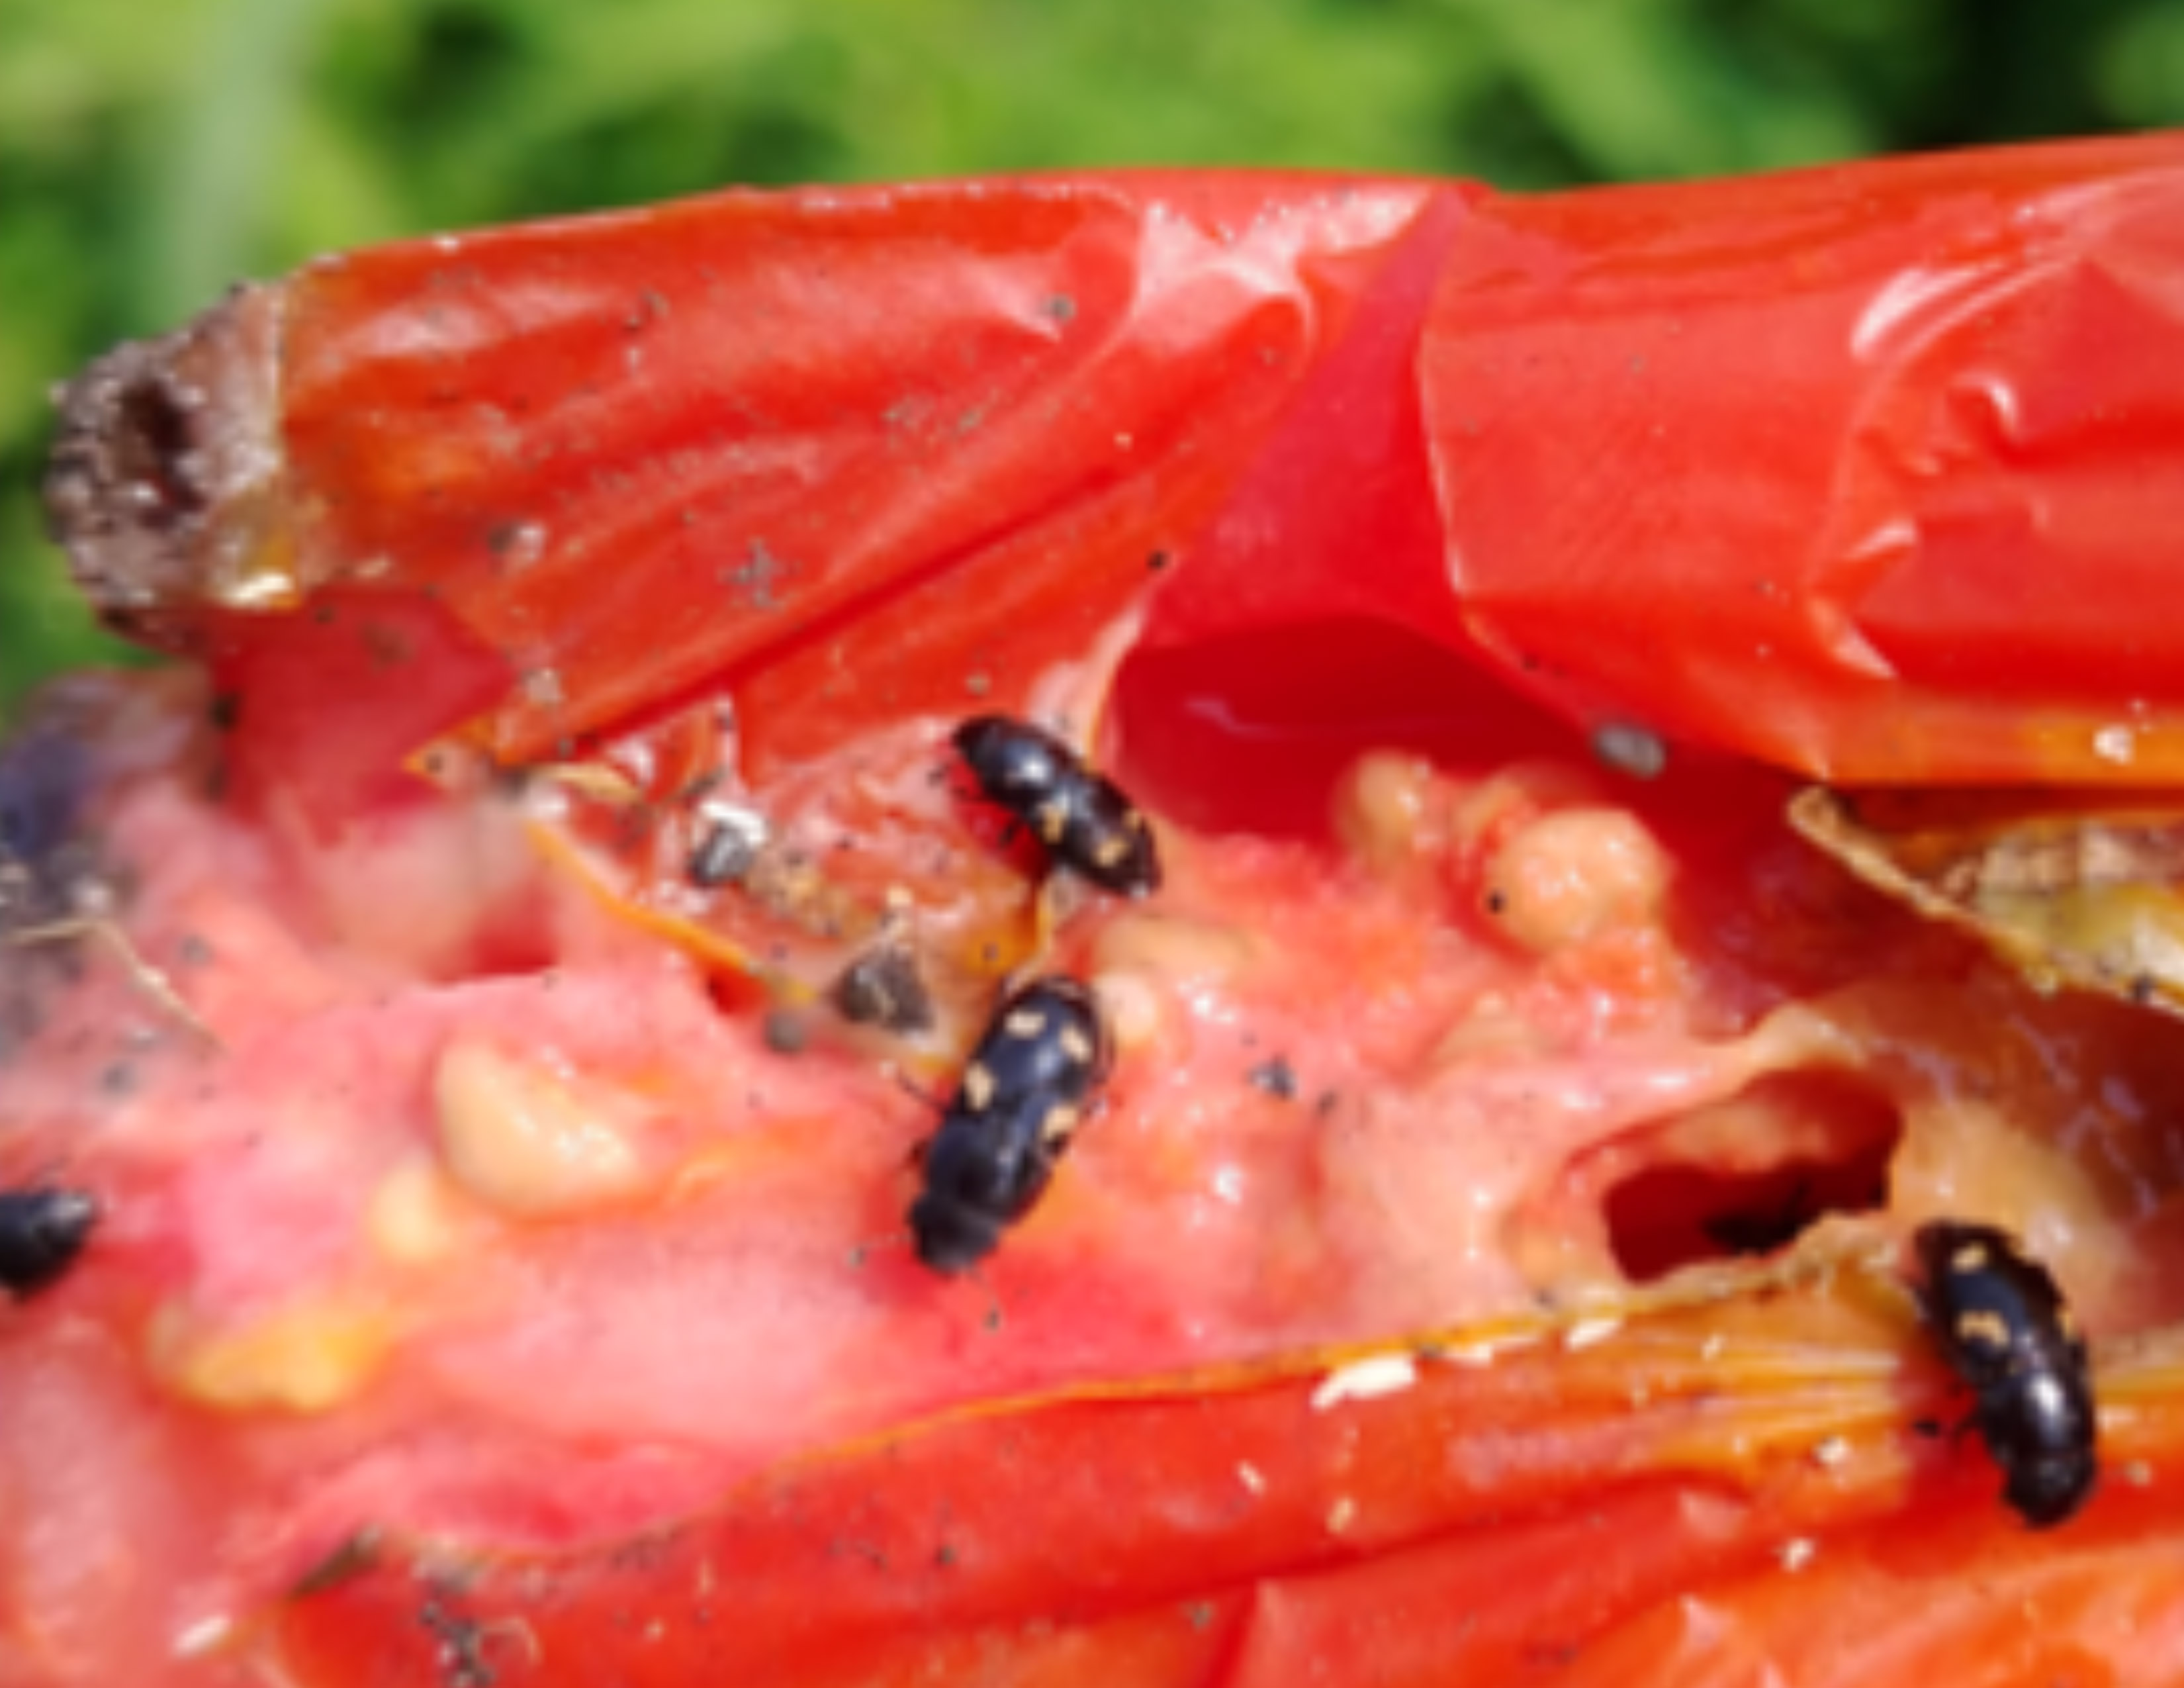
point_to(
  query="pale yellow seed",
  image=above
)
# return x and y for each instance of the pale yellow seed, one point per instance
(1380, 807)
(528, 1141)
(1575, 875)
(309, 1357)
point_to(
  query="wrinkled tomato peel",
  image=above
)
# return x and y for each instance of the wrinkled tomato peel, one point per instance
(881, 451)
(1868, 445)
(1873, 448)
(323, 717)
(1333, 518)
(1264, 1533)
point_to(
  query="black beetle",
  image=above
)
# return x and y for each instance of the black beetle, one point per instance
(1082, 818)
(1037, 1069)
(2005, 1329)
(41, 1231)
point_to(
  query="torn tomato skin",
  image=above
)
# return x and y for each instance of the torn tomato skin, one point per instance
(1877, 445)
(324, 717)
(882, 450)
(1870, 444)
(1271, 1534)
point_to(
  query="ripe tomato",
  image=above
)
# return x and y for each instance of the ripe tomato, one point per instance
(1489, 1258)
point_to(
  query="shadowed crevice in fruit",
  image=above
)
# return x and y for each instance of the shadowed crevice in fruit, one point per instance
(1250, 733)
(1807, 1145)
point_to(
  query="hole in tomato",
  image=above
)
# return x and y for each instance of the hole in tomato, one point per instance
(513, 939)
(1746, 1178)
(1249, 733)
(1674, 1217)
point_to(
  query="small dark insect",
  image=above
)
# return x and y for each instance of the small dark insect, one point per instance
(1275, 1076)
(2004, 1329)
(725, 851)
(1081, 817)
(42, 1231)
(1025, 1090)
(883, 988)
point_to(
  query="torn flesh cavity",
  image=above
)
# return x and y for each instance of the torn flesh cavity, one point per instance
(514, 1220)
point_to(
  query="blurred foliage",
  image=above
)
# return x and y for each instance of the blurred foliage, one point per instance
(150, 154)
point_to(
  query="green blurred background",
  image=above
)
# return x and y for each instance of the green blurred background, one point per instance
(152, 151)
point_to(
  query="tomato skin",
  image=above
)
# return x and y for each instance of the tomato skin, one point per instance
(880, 450)
(1876, 449)
(1670, 1466)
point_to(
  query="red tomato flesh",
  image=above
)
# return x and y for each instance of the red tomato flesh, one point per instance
(497, 1230)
